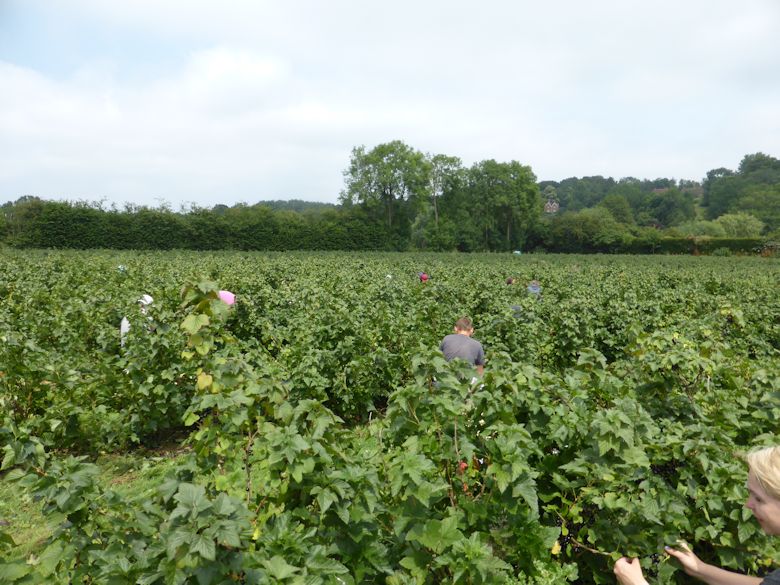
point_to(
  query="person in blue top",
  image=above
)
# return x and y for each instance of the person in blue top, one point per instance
(535, 288)
(763, 486)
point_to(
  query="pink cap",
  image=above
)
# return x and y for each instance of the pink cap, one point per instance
(227, 297)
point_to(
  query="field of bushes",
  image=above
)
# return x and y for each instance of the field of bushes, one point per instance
(320, 437)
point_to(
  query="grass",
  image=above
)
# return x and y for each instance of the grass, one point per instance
(22, 520)
(132, 475)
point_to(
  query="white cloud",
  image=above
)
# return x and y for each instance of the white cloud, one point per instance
(266, 99)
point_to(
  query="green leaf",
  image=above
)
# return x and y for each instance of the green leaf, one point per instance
(192, 498)
(412, 564)
(229, 536)
(191, 419)
(324, 499)
(207, 575)
(279, 569)
(500, 475)
(223, 505)
(204, 380)
(204, 547)
(527, 490)
(176, 540)
(326, 566)
(10, 572)
(745, 530)
(9, 459)
(193, 323)
(50, 558)
(124, 564)
(636, 456)
(437, 535)
(14, 474)
(168, 489)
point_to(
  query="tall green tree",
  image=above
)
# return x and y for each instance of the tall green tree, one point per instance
(722, 194)
(390, 181)
(446, 174)
(760, 167)
(670, 207)
(619, 207)
(574, 193)
(713, 177)
(21, 219)
(630, 189)
(726, 192)
(763, 202)
(506, 202)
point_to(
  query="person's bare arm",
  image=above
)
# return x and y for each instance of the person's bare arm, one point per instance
(710, 574)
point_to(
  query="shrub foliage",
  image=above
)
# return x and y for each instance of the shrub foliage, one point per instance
(329, 442)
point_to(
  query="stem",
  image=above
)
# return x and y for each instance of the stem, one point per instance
(577, 543)
(589, 549)
(457, 449)
(260, 505)
(248, 467)
(451, 491)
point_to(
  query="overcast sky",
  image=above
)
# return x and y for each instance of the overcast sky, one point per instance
(188, 101)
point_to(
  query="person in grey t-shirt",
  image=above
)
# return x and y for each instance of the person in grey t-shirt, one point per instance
(460, 345)
(763, 486)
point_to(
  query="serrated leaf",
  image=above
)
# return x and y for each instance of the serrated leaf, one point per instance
(326, 566)
(527, 490)
(194, 323)
(50, 558)
(176, 540)
(204, 546)
(15, 474)
(9, 459)
(744, 531)
(223, 505)
(10, 572)
(192, 497)
(324, 499)
(279, 569)
(437, 535)
(228, 537)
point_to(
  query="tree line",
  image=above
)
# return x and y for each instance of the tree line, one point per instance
(398, 198)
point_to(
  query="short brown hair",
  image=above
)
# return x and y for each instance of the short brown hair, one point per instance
(463, 324)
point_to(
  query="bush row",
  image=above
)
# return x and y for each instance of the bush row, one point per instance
(64, 225)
